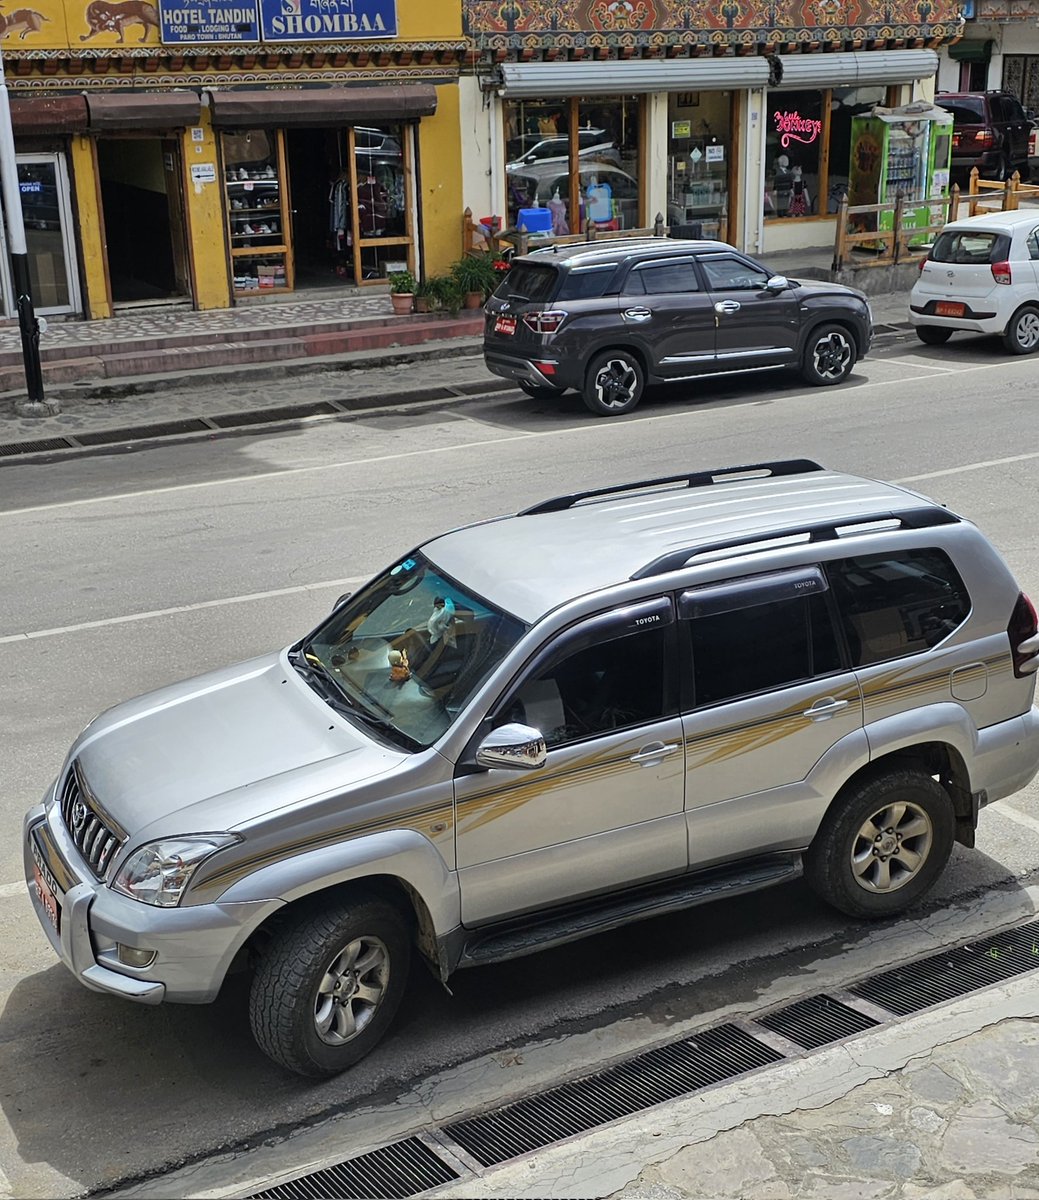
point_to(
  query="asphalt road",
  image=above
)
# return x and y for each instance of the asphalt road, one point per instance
(123, 572)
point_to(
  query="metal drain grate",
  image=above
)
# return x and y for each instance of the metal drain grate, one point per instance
(661, 1074)
(402, 1169)
(816, 1021)
(140, 432)
(290, 412)
(954, 973)
(12, 448)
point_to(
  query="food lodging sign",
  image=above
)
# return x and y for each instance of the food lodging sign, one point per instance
(276, 20)
(197, 21)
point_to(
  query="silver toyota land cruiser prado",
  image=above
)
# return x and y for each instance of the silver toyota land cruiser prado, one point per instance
(614, 704)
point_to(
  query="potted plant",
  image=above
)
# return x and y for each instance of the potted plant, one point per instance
(402, 291)
(476, 278)
(427, 294)
(447, 293)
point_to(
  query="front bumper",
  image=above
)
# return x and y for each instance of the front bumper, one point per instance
(194, 945)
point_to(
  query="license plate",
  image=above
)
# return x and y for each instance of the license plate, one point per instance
(47, 898)
(947, 308)
(506, 325)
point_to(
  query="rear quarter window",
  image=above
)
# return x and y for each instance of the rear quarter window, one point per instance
(586, 283)
(899, 603)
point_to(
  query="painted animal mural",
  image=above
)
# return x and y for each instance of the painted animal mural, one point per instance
(21, 21)
(113, 16)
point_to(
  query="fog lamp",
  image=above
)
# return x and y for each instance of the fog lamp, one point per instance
(130, 956)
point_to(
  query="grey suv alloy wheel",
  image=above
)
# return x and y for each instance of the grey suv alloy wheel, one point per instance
(829, 355)
(328, 986)
(614, 383)
(882, 844)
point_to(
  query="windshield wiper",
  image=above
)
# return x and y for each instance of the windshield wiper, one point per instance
(321, 679)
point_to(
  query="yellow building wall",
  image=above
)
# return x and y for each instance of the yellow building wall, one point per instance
(96, 304)
(207, 228)
(60, 24)
(440, 196)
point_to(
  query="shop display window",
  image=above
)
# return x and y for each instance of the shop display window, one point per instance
(807, 147)
(569, 162)
(698, 163)
(254, 181)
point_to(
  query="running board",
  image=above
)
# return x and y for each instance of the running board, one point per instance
(516, 940)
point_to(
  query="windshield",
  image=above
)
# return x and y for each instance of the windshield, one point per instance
(409, 650)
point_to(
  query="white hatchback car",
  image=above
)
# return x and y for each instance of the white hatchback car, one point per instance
(981, 276)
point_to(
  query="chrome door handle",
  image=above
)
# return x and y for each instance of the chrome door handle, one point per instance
(638, 315)
(727, 307)
(654, 751)
(824, 708)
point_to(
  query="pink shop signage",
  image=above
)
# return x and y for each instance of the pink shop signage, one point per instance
(792, 127)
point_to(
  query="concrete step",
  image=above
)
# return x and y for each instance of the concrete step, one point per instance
(369, 331)
(119, 361)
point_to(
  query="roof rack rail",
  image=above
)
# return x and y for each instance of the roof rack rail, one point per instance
(917, 518)
(790, 466)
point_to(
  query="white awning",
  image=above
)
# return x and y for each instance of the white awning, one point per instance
(626, 77)
(864, 67)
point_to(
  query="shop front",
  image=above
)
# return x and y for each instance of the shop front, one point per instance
(318, 185)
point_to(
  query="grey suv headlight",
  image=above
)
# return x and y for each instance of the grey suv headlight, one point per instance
(160, 872)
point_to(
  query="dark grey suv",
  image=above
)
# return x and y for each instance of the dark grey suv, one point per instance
(607, 317)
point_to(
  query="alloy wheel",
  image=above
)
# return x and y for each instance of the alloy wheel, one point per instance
(891, 847)
(616, 383)
(832, 356)
(351, 990)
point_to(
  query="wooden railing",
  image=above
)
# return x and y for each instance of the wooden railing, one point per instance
(858, 225)
(503, 243)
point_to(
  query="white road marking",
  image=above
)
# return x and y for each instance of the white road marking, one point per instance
(978, 466)
(183, 608)
(581, 428)
(1017, 816)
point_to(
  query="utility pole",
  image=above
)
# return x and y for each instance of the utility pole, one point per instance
(29, 326)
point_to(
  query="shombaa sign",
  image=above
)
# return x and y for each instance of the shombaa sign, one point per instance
(327, 20)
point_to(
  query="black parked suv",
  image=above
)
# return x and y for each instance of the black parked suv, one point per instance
(990, 131)
(608, 317)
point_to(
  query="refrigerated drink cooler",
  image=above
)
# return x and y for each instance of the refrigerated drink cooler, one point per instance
(905, 150)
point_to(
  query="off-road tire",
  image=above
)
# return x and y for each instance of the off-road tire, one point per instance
(284, 999)
(933, 335)
(843, 864)
(829, 356)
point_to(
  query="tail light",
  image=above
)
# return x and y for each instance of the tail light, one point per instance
(1001, 272)
(1033, 143)
(984, 138)
(923, 261)
(544, 322)
(1023, 632)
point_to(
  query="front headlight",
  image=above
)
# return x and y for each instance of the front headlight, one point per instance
(159, 872)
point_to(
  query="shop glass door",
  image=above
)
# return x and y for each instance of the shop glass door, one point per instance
(50, 243)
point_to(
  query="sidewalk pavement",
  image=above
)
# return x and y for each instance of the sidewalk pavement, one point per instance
(443, 363)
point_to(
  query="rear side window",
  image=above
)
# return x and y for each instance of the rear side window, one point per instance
(662, 278)
(896, 604)
(529, 281)
(970, 247)
(759, 638)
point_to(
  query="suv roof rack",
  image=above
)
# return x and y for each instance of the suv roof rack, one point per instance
(791, 466)
(916, 518)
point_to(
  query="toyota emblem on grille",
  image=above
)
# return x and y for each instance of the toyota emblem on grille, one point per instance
(79, 816)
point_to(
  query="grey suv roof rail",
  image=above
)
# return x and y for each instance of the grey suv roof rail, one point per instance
(916, 518)
(790, 466)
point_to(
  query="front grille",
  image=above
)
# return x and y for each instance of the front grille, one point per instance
(94, 840)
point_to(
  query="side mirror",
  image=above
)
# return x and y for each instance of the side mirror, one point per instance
(777, 284)
(512, 748)
(342, 600)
